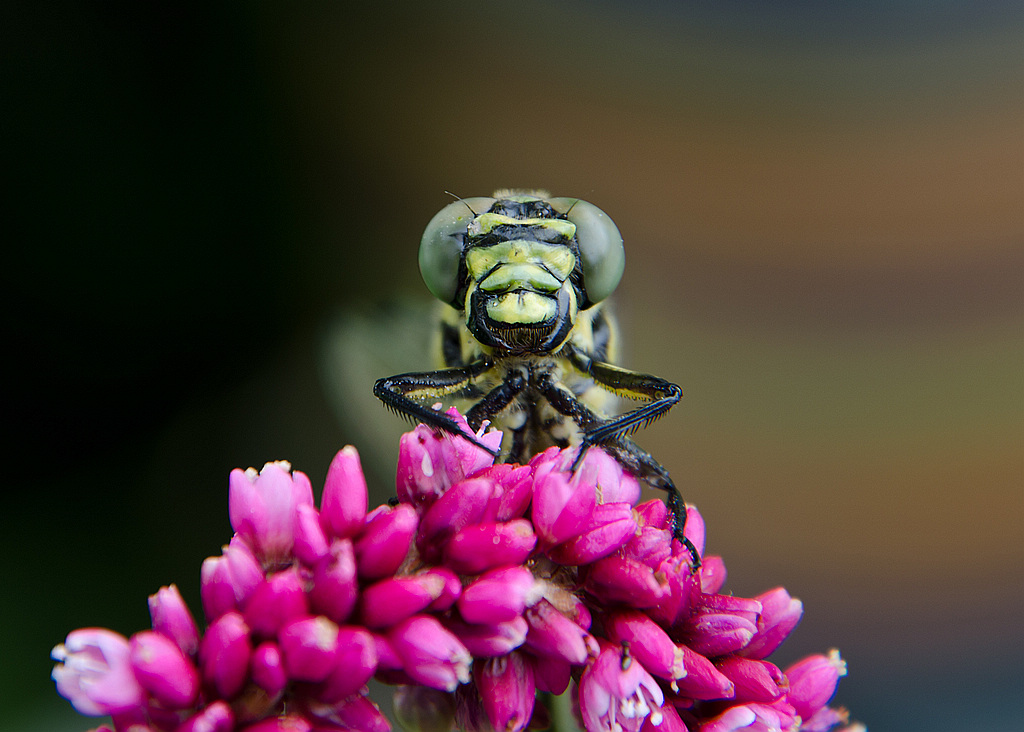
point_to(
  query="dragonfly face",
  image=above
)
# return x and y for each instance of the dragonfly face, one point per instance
(521, 267)
(525, 340)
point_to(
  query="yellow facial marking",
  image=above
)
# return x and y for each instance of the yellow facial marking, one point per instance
(517, 276)
(521, 306)
(555, 259)
(485, 223)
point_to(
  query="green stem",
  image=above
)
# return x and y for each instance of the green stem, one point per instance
(560, 709)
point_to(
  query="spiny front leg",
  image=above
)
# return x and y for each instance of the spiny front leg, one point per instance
(660, 395)
(626, 452)
(644, 466)
(400, 393)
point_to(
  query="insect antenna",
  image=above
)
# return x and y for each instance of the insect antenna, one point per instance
(460, 200)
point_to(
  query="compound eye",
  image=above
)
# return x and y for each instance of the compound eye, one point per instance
(442, 244)
(600, 243)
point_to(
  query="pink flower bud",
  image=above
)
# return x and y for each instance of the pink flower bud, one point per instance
(670, 721)
(826, 718)
(617, 579)
(471, 458)
(171, 617)
(551, 458)
(309, 648)
(650, 545)
(334, 592)
(748, 608)
(507, 690)
(356, 662)
(385, 541)
(310, 542)
(562, 503)
(217, 717)
(683, 589)
(694, 530)
(516, 483)
(552, 635)
(262, 507)
(714, 634)
(224, 654)
(722, 624)
(576, 610)
(653, 513)
(607, 530)
(163, 670)
(780, 614)
(813, 681)
(754, 717)
(613, 483)
(451, 588)
(488, 641)
(387, 659)
(712, 575)
(703, 680)
(94, 673)
(268, 669)
(392, 600)
(737, 718)
(430, 655)
(343, 505)
(430, 462)
(276, 601)
(648, 643)
(755, 681)
(498, 595)
(356, 713)
(616, 690)
(421, 478)
(468, 502)
(227, 581)
(552, 675)
(480, 547)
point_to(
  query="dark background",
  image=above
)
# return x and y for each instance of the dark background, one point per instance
(823, 207)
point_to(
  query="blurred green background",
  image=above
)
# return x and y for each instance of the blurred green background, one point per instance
(823, 207)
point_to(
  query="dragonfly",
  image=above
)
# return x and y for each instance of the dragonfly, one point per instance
(526, 339)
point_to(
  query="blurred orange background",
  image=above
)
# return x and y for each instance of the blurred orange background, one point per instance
(823, 209)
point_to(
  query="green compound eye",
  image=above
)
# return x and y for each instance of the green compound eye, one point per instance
(442, 243)
(600, 243)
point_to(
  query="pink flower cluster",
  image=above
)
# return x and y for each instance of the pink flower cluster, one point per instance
(480, 586)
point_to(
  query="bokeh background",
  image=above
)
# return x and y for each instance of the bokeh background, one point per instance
(823, 206)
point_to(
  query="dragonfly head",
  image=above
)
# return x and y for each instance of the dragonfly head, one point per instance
(521, 265)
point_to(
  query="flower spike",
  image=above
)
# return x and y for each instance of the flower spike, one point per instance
(479, 587)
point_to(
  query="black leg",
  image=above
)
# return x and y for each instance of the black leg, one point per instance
(644, 466)
(399, 393)
(610, 434)
(497, 398)
(661, 396)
